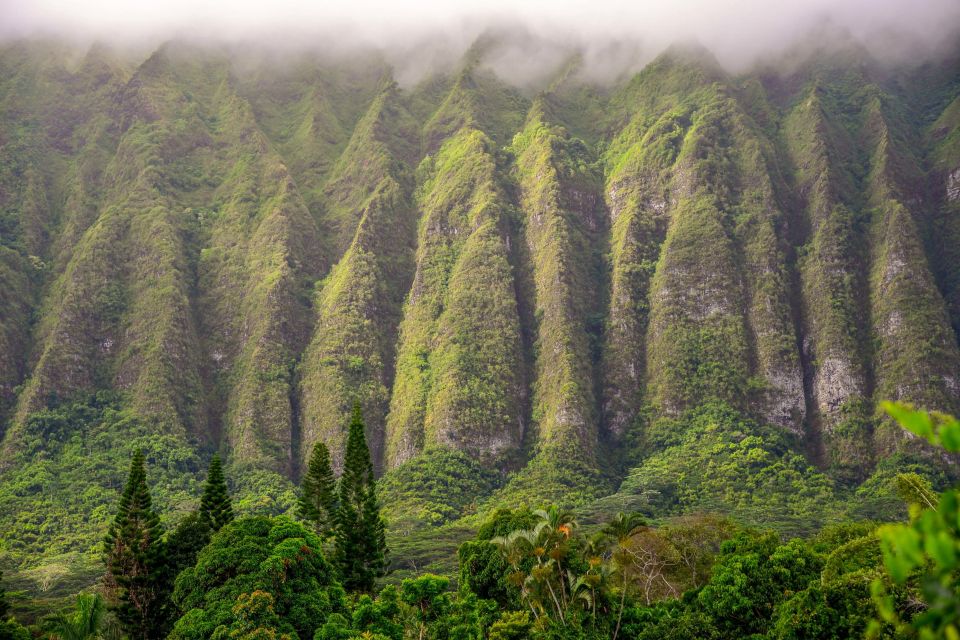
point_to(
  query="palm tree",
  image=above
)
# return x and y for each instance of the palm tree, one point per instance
(623, 526)
(620, 530)
(88, 621)
(549, 585)
(515, 548)
(555, 530)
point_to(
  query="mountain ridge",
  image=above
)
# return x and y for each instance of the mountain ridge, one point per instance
(527, 283)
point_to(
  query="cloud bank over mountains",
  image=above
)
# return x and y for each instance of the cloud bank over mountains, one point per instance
(535, 36)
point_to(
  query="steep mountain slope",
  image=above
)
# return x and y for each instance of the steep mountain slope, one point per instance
(555, 294)
(700, 298)
(350, 357)
(459, 365)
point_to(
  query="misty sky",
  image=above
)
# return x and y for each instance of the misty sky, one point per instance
(736, 31)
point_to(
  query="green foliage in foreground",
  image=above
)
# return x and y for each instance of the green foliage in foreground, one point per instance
(89, 620)
(135, 555)
(924, 555)
(539, 575)
(273, 555)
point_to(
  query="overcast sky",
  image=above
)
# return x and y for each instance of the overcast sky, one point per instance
(736, 31)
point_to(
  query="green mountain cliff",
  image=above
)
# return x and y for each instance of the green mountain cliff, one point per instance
(686, 290)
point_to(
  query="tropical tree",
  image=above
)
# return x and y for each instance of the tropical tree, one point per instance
(697, 539)
(541, 560)
(216, 508)
(516, 547)
(483, 569)
(361, 545)
(87, 621)
(277, 556)
(184, 543)
(318, 493)
(619, 530)
(254, 619)
(428, 598)
(137, 575)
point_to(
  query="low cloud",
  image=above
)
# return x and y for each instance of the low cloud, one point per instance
(535, 38)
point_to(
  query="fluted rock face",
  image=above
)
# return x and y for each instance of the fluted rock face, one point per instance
(14, 323)
(563, 219)
(944, 138)
(119, 313)
(832, 284)
(358, 307)
(914, 364)
(459, 373)
(244, 247)
(700, 300)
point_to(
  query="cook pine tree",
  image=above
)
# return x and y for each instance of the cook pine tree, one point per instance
(361, 547)
(318, 496)
(216, 508)
(137, 573)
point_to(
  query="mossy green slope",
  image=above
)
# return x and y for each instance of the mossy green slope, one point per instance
(700, 300)
(255, 274)
(358, 305)
(460, 375)
(308, 107)
(943, 137)
(476, 99)
(16, 299)
(832, 284)
(867, 283)
(917, 357)
(190, 288)
(55, 109)
(458, 383)
(119, 314)
(563, 222)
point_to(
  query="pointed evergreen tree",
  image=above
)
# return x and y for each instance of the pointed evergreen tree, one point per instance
(135, 559)
(215, 506)
(361, 547)
(318, 495)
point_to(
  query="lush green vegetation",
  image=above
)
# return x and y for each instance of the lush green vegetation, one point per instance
(80, 450)
(618, 351)
(539, 573)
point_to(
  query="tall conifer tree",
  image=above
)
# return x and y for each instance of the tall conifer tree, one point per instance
(135, 559)
(361, 544)
(215, 506)
(318, 497)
